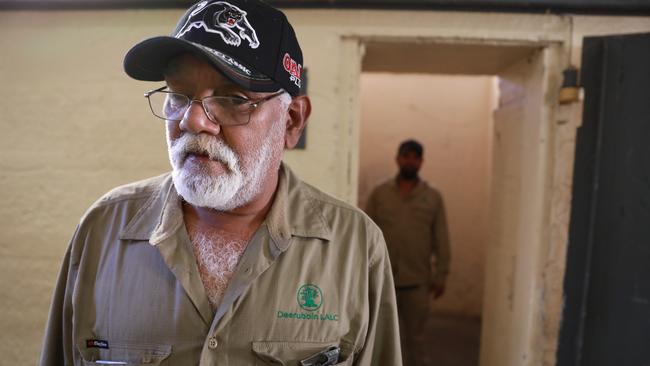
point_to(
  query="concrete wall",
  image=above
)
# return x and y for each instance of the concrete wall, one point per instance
(75, 126)
(518, 212)
(452, 117)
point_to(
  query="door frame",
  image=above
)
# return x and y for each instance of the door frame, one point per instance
(536, 337)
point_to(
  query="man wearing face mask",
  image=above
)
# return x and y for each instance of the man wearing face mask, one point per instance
(412, 217)
(230, 259)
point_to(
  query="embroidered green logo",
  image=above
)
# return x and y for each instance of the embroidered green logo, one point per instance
(310, 297)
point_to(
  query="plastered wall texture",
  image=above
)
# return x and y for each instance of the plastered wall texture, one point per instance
(515, 214)
(451, 115)
(75, 126)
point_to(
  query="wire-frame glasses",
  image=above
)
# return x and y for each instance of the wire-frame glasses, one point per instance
(225, 111)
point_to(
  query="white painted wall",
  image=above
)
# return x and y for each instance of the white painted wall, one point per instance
(452, 117)
(522, 129)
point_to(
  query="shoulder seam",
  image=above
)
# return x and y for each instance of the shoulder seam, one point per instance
(107, 201)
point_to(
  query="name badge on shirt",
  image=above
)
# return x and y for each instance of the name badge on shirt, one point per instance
(96, 343)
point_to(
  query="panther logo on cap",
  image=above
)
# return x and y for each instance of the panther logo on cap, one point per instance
(223, 19)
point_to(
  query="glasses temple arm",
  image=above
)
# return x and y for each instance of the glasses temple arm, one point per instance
(147, 94)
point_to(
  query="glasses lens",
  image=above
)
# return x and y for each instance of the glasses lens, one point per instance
(228, 110)
(169, 106)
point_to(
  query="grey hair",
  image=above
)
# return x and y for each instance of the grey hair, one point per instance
(285, 99)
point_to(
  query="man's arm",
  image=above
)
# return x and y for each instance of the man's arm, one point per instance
(57, 343)
(441, 250)
(371, 205)
(382, 344)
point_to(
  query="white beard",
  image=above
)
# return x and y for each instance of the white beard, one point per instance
(238, 185)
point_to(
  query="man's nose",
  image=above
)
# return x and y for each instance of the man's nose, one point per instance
(196, 121)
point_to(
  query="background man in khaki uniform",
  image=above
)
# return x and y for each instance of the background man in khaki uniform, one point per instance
(411, 215)
(229, 259)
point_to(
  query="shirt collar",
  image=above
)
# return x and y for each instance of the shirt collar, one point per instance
(158, 218)
(420, 183)
(294, 212)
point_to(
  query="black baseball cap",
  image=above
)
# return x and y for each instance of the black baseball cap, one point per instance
(250, 42)
(410, 145)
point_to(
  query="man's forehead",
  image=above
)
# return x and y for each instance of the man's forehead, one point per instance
(409, 154)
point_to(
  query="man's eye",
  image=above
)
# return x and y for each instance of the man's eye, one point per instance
(237, 100)
(175, 100)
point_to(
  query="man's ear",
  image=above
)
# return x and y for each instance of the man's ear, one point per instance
(299, 111)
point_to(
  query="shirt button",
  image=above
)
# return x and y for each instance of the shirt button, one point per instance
(212, 343)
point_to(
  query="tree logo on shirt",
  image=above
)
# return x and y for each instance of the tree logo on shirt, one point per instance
(310, 297)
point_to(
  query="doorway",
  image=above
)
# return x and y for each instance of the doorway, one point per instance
(451, 116)
(491, 172)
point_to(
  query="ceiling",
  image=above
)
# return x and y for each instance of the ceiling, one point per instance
(441, 58)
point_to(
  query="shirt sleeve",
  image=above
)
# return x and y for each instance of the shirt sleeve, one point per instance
(57, 344)
(382, 343)
(440, 244)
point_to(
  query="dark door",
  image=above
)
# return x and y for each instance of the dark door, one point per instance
(606, 318)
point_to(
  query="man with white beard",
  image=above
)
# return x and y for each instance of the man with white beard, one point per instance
(230, 259)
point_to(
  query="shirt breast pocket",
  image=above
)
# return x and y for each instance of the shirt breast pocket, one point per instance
(124, 353)
(423, 214)
(279, 353)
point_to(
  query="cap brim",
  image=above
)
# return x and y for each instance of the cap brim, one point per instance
(148, 59)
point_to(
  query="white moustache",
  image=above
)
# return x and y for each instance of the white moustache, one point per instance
(203, 144)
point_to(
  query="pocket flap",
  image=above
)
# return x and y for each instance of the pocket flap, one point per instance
(128, 352)
(288, 353)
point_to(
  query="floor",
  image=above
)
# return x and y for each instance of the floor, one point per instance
(451, 341)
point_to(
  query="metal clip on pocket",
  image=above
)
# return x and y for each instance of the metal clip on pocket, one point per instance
(326, 357)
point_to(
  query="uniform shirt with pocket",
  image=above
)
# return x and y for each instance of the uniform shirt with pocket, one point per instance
(415, 228)
(316, 274)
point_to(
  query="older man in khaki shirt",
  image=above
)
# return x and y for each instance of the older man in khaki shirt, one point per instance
(412, 217)
(230, 259)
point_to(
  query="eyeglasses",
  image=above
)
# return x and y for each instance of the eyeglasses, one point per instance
(225, 111)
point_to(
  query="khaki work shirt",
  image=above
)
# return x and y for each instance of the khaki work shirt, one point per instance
(415, 228)
(315, 274)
